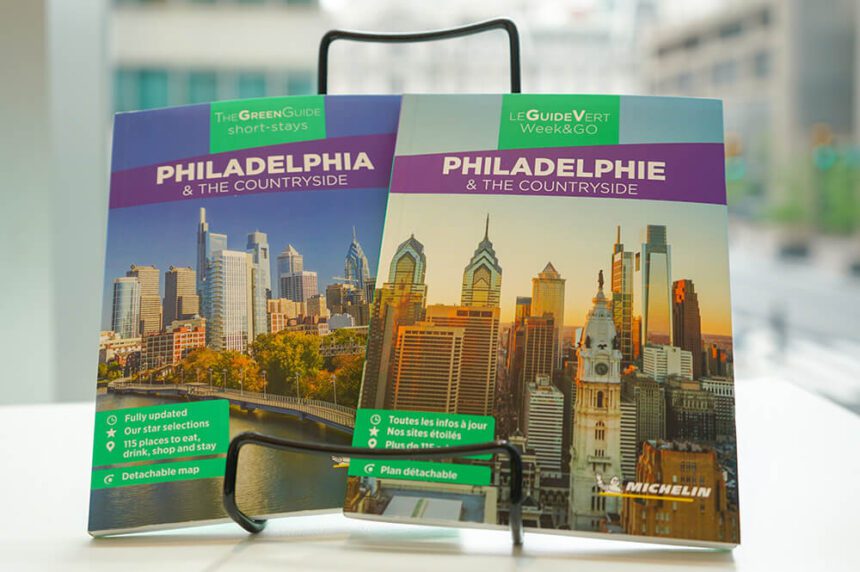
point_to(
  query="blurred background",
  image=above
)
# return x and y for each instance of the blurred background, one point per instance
(786, 69)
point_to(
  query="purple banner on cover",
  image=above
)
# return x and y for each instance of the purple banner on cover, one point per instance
(359, 162)
(686, 172)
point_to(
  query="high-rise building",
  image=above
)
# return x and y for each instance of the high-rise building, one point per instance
(280, 311)
(655, 262)
(208, 243)
(316, 306)
(400, 302)
(229, 307)
(181, 301)
(637, 338)
(662, 362)
(356, 269)
(539, 343)
(690, 412)
(628, 439)
(709, 517)
(261, 278)
(174, 343)
(597, 418)
(150, 297)
(723, 390)
(548, 298)
(649, 399)
(622, 296)
(480, 325)
(427, 367)
(687, 323)
(295, 283)
(523, 308)
(125, 313)
(717, 362)
(482, 277)
(544, 420)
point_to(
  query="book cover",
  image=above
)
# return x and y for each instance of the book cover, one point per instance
(240, 266)
(554, 272)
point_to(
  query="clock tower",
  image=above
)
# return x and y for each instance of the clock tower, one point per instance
(596, 449)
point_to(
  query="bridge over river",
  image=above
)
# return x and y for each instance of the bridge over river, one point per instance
(336, 416)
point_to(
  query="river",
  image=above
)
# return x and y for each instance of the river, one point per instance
(269, 482)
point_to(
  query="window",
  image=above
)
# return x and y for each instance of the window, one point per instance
(600, 399)
(152, 89)
(761, 64)
(202, 86)
(600, 431)
(124, 90)
(300, 83)
(724, 72)
(251, 84)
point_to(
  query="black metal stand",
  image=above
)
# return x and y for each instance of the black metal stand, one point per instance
(255, 525)
(429, 36)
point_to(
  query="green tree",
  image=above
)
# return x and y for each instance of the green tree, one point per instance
(284, 356)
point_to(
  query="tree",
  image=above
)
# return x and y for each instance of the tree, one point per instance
(286, 355)
(348, 371)
(242, 371)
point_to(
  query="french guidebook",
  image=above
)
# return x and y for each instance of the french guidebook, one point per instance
(239, 276)
(554, 272)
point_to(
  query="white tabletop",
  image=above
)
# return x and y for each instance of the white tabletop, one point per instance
(799, 504)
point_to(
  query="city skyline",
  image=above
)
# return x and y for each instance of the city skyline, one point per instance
(584, 245)
(164, 235)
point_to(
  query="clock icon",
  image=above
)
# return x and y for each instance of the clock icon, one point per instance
(601, 369)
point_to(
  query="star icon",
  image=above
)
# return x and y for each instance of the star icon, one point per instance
(374, 431)
(111, 433)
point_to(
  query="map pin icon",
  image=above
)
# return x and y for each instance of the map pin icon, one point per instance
(110, 445)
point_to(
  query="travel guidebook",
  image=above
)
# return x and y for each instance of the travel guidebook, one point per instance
(239, 277)
(554, 272)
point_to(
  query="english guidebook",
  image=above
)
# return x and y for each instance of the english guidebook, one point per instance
(240, 268)
(554, 272)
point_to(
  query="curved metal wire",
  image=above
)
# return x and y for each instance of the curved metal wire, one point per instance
(428, 36)
(255, 525)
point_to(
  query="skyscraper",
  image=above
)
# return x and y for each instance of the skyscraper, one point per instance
(261, 278)
(628, 439)
(597, 418)
(482, 277)
(656, 266)
(400, 302)
(125, 315)
(622, 296)
(523, 308)
(427, 368)
(229, 298)
(662, 362)
(150, 298)
(687, 323)
(207, 244)
(480, 325)
(548, 298)
(539, 343)
(356, 269)
(544, 419)
(295, 283)
(181, 301)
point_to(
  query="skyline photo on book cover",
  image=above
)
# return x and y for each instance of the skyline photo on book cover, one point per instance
(240, 265)
(554, 272)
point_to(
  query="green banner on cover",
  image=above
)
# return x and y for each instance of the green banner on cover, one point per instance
(155, 432)
(453, 473)
(158, 473)
(531, 121)
(246, 123)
